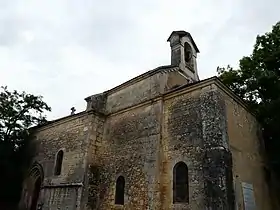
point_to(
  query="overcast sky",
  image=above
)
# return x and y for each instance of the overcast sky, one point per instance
(67, 50)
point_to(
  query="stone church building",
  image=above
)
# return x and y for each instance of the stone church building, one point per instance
(162, 140)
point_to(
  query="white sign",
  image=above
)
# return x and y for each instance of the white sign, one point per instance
(248, 196)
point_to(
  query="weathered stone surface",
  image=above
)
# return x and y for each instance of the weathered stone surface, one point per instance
(71, 135)
(97, 102)
(131, 141)
(140, 133)
(246, 151)
(182, 141)
(131, 95)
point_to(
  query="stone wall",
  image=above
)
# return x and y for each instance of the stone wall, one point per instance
(246, 148)
(129, 148)
(91, 192)
(131, 95)
(70, 135)
(141, 135)
(194, 128)
(175, 80)
(61, 198)
(182, 141)
(144, 143)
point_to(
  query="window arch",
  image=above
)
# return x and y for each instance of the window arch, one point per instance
(187, 52)
(119, 195)
(180, 183)
(58, 163)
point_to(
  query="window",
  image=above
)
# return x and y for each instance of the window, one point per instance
(180, 183)
(58, 163)
(188, 52)
(119, 195)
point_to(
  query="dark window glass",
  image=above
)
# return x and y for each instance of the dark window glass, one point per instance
(58, 163)
(180, 183)
(188, 52)
(119, 196)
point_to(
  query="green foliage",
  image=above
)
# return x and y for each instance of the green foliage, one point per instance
(257, 81)
(18, 112)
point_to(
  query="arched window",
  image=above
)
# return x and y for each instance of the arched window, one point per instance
(180, 183)
(58, 163)
(188, 52)
(119, 195)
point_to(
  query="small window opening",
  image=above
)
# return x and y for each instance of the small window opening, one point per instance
(180, 183)
(188, 52)
(119, 195)
(58, 163)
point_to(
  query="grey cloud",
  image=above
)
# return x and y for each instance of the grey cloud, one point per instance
(236, 37)
(78, 48)
(9, 30)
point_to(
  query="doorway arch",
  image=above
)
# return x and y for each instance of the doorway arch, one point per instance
(35, 180)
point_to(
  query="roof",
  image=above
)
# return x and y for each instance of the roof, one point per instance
(221, 85)
(215, 79)
(182, 34)
(144, 75)
(162, 69)
(50, 122)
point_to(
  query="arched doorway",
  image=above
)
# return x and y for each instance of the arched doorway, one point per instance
(33, 183)
(36, 193)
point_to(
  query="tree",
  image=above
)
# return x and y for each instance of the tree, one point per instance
(18, 113)
(257, 81)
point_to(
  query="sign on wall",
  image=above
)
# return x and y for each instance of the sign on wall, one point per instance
(248, 196)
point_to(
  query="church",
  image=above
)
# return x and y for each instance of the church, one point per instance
(164, 140)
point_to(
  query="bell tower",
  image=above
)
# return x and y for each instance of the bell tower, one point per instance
(184, 53)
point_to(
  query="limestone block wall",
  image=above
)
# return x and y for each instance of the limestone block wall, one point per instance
(141, 91)
(129, 148)
(194, 123)
(91, 189)
(246, 148)
(144, 143)
(71, 136)
(182, 141)
(174, 80)
(141, 135)
(61, 197)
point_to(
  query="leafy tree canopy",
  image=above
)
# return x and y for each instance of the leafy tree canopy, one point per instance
(257, 81)
(19, 111)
